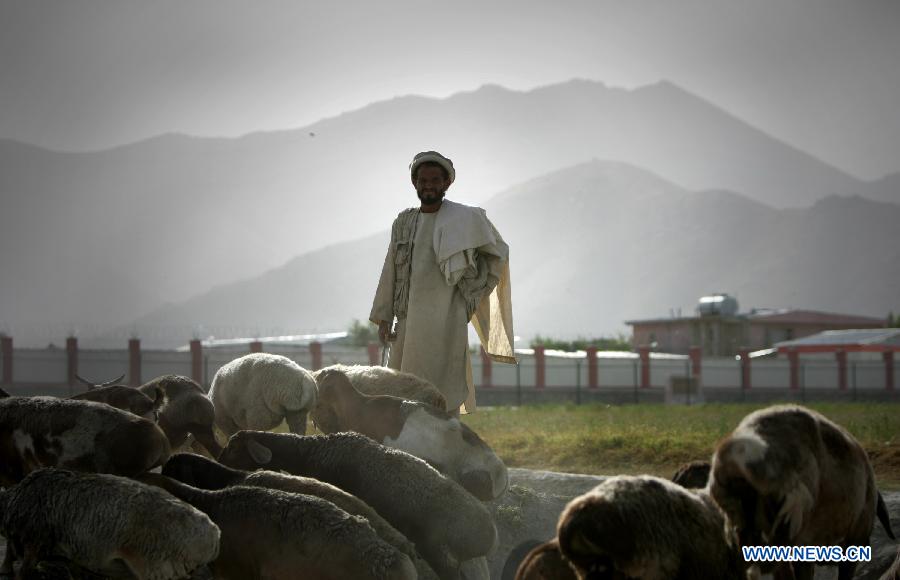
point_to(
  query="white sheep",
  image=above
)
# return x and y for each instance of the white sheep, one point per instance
(647, 527)
(272, 534)
(204, 473)
(110, 525)
(788, 476)
(448, 526)
(260, 390)
(439, 438)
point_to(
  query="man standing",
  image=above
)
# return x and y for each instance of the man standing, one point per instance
(446, 265)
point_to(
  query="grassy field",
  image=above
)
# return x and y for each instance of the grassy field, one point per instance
(656, 439)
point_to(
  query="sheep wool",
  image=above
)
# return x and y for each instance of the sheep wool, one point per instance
(108, 524)
(260, 390)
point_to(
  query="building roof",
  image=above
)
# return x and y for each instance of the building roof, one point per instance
(794, 317)
(815, 317)
(286, 340)
(858, 339)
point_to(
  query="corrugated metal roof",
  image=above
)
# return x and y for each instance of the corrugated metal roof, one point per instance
(815, 317)
(287, 340)
(858, 336)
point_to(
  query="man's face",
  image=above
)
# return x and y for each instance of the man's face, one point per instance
(431, 185)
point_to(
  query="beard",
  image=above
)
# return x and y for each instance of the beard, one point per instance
(430, 197)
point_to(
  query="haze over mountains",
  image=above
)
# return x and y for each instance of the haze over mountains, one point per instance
(92, 241)
(602, 242)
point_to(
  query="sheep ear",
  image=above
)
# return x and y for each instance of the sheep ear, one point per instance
(259, 452)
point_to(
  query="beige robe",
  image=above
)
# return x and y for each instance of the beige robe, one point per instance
(459, 271)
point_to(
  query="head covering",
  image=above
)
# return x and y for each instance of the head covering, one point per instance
(432, 157)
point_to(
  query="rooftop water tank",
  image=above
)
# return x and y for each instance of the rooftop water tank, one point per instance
(717, 305)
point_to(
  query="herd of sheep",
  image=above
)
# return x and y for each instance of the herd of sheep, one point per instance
(166, 481)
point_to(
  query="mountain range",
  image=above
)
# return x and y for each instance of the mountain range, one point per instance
(118, 238)
(597, 244)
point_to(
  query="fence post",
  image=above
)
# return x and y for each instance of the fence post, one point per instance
(71, 360)
(577, 382)
(591, 354)
(888, 369)
(540, 375)
(486, 374)
(644, 353)
(696, 356)
(745, 368)
(6, 351)
(315, 351)
(841, 357)
(255, 346)
(197, 361)
(374, 351)
(794, 359)
(134, 362)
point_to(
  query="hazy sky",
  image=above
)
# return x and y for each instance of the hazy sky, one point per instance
(86, 74)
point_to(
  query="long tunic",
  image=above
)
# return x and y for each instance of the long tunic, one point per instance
(435, 320)
(432, 331)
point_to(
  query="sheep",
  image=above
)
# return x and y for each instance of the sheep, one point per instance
(789, 476)
(272, 534)
(204, 473)
(545, 562)
(693, 475)
(125, 398)
(374, 380)
(439, 438)
(260, 390)
(447, 525)
(40, 432)
(187, 410)
(110, 525)
(647, 527)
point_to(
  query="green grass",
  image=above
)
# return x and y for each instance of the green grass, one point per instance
(656, 439)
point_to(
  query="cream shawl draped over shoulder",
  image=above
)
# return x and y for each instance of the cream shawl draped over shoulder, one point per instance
(472, 256)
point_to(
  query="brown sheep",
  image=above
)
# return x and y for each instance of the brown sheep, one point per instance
(647, 527)
(442, 440)
(375, 380)
(545, 562)
(187, 411)
(272, 534)
(693, 475)
(787, 476)
(204, 473)
(142, 404)
(40, 432)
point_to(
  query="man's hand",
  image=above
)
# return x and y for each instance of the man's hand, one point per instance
(384, 332)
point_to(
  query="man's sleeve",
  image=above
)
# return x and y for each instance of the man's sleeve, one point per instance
(383, 305)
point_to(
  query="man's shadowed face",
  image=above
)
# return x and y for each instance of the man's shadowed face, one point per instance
(431, 183)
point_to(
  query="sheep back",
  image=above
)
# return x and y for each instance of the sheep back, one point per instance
(258, 390)
(268, 533)
(40, 432)
(204, 473)
(125, 398)
(647, 527)
(430, 509)
(98, 521)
